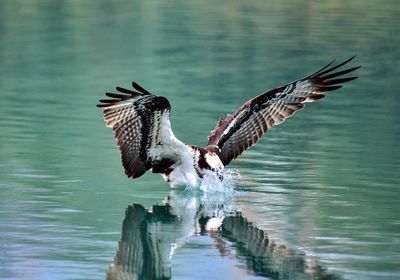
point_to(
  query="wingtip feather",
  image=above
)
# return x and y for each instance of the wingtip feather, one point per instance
(140, 88)
(328, 70)
(339, 81)
(126, 91)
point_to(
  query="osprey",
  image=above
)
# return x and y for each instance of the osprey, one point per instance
(141, 124)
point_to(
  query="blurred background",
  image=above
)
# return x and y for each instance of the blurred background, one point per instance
(326, 182)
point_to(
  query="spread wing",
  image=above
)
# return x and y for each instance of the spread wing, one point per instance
(239, 131)
(140, 121)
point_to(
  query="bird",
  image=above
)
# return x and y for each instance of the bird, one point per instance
(140, 121)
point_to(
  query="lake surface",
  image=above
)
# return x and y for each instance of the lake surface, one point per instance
(325, 183)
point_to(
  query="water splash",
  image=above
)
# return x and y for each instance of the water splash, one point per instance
(212, 184)
(212, 199)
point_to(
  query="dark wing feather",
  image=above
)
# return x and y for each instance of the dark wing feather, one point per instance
(239, 131)
(135, 120)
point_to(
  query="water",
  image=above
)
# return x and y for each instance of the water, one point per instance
(324, 183)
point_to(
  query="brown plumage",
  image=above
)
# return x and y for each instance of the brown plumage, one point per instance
(140, 121)
(239, 131)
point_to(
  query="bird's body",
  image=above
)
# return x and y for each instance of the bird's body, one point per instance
(141, 123)
(195, 164)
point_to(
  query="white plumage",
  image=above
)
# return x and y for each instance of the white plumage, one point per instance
(141, 124)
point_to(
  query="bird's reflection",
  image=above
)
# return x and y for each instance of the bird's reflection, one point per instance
(150, 237)
(144, 250)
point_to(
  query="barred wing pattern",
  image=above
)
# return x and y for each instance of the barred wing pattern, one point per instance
(135, 117)
(239, 131)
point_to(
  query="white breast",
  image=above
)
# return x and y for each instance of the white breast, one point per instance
(184, 172)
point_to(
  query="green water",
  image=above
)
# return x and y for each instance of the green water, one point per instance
(326, 182)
